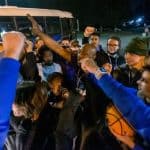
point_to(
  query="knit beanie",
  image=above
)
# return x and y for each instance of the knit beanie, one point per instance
(137, 46)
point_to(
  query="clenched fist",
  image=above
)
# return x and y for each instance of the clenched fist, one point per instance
(88, 31)
(13, 44)
(88, 65)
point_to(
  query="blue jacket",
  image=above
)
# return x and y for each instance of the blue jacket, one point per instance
(9, 69)
(132, 107)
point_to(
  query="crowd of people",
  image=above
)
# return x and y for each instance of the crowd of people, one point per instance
(59, 95)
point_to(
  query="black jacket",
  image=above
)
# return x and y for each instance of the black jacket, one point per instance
(18, 133)
(127, 76)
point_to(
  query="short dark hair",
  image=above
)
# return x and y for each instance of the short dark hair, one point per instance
(44, 49)
(65, 38)
(54, 75)
(115, 38)
(95, 34)
(102, 58)
(57, 75)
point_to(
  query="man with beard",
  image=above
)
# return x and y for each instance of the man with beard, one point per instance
(47, 66)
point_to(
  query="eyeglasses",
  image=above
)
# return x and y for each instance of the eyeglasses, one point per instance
(113, 45)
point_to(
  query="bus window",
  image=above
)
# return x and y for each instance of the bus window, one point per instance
(6, 24)
(23, 25)
(66, 30)
(69, 27)
(74, 26)
(54, 22)
(53, 27)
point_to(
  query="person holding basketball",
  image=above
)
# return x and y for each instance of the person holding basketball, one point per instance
(131, 103)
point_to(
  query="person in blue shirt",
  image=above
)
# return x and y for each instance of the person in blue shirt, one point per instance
(13, 43)
(133, 104)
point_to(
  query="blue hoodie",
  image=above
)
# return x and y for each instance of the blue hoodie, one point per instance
(131, 106)
(9, 69)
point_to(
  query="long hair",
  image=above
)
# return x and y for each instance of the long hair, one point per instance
(23, 98)
(39, 99)
(33, 98)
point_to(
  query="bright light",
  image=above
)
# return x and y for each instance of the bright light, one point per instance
(2, 33)
(131, 22)
(139, 20)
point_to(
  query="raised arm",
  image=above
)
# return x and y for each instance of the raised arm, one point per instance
(52, 44)
(131, 106)
(13, 43)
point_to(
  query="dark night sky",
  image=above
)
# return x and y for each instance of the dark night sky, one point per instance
(102, 12)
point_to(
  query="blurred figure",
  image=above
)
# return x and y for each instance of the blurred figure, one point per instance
(9, 65)
(113, 47)
(147, 60)
(74, 46)
(20, 120)
(61, 97)
(38, 44)
(95, 40)
(93, 37)
(28, 62)
(146, 31)
(135, 54)
(134, 108)
(65, 42)
(31, 126)
(1, 49)
(48, 66)
(41, 135)
(87, 33)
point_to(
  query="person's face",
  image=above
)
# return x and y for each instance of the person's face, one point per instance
(112, 46)
(48, 58)
(144, 84)
(132, 59)
(89, 30)
(18, 111)
(75, 48)
(56, 86)
(65, 43)
(95, 40)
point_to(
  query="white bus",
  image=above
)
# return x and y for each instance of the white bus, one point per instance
(56, 23)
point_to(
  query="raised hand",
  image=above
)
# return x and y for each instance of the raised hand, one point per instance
(13, 44)
(36, 28)
(28, 46)
(88, 65)
(88, 31)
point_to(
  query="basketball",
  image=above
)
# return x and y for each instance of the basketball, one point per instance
(118, 123)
